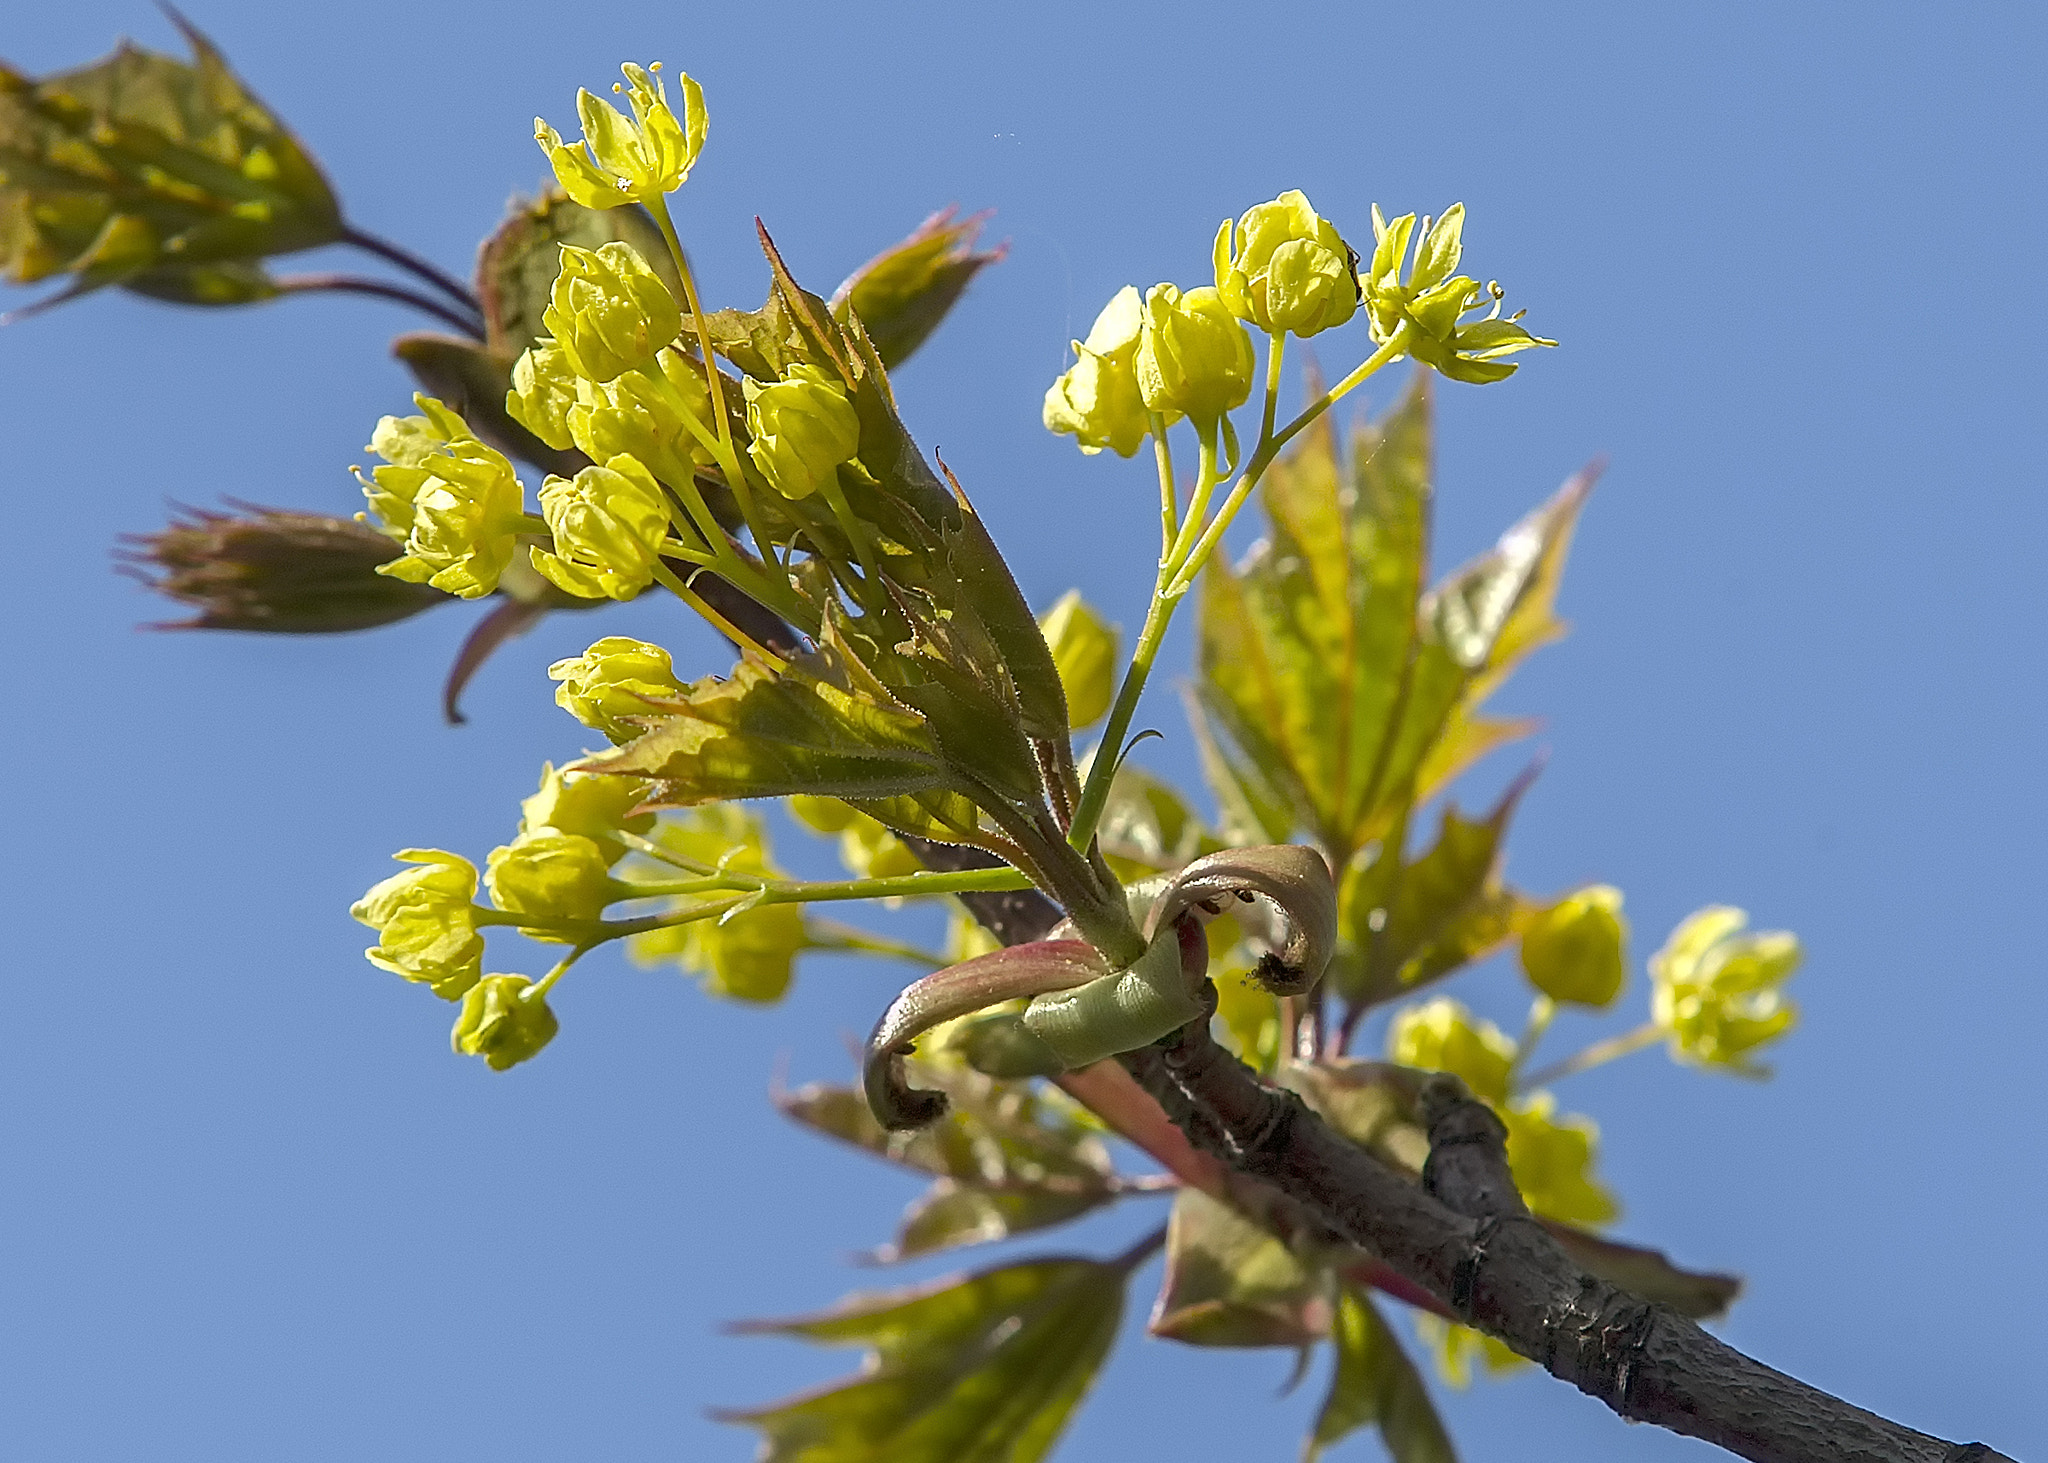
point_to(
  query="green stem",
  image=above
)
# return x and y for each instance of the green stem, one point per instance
(1169, 495)
(667, 579)
(829, 934)
(546, 983)
(1598, 1054)
(1198, 502)
(1095, 791)
(658, 206)
(1386, 355)
(802, 891)
(1542, 1011)
(1273, 354)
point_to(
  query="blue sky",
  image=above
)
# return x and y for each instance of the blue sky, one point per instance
(254, 1209)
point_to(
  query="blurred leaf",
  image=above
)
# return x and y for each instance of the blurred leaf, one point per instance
(1250, 1015)
(747, 956)
(143, 168)
(517, 266)
(1229, 1283)
(1375, 1384)
(1371, 1103)
(1416, 920)
(1006, 1162)
(1304, 648)
(985, 1369)
(1147, 828)
(1699, 1295)
(1459, 1349)
(904, 292)
(1250, 809)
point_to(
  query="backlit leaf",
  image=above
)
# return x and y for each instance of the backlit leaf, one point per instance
(1375, 1385)
(903, 293)
(985, 1369)
(517, 267)
(1230, 1283)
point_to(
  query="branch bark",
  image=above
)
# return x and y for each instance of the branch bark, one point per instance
(1464, 1241)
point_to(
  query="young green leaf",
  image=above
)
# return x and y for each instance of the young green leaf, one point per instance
(141, 167)
(1230, 1283)
(1376, 1385)
(985, 1369)
(903, 293)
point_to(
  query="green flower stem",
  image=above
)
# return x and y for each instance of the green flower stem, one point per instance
(830, 934)
(863, 550)
(1273, 354)
(771, 590)
(658, 206)
(667, 578)
(546, 983)
(803, 891)
(1542, 1011)
(1198, 502)
(1395, 348)
(1169, 495)
(675, 548)
(1598, 1054)
(1095, 791)
(533, 523)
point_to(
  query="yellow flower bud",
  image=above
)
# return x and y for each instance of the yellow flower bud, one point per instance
(609, 523)
(550, 873)
(1194, 356)
(1097, 400)
(1576, 950)
(802, 428)
(1285, 269)
(405, 443)
(426, 922)
(1553, 1163)
(613, 680)
(1084, 649)
(543, 391)
(608, 311)
(505, 1020)
(1442, 1036)
(1716, 990)
(466, 518)
(596, 805)
(624, 161)
(648, 414)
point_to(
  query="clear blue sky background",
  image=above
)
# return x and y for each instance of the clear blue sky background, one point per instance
(251, 1208)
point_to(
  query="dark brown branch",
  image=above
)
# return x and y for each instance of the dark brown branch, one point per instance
(1466, 1238)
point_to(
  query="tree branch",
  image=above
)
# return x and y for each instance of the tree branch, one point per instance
(1463, 1243)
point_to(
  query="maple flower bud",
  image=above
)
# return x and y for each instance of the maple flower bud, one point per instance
(1283, 268)
(1084, 650)
(466, 519)
(647, 414)
(802, 428)
(543, 391)
(613, 680)
(1576, 949)
(608, 311)
(598, 806)
(624, 161)
(505, 1020)
(1193, 354)
(1097, 400)
(1442, 1036)
(550, 873)
(405, 443)
(273, 570)
(1716, 990)
(426, 922)
(609, 523)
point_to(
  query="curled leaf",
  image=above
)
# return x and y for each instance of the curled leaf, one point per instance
(1293, 877)
(1019, 971)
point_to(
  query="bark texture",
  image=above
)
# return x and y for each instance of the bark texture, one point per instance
(1464, 1240)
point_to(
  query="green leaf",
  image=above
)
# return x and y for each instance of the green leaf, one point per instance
(1305, 649)
(147, 169)
(819, 724)
(903, 293)
(1415, 920)
(1701, 1296)
(1006, 1162)
(1371, 1103)
(1147, 828)
(517, 267)
(985, 1369)
(1376, 1385)
(1230, 1283)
